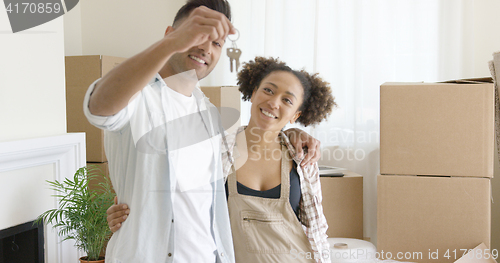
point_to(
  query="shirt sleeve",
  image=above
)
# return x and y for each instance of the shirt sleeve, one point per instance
(111, 123)
(311, 213)
(227, 147)
(318, 230)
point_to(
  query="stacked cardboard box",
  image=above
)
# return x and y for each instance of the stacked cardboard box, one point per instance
(81, 71)
(343, 205)
(436, 162)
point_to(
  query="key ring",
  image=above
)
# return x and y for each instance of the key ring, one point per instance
(229, 36)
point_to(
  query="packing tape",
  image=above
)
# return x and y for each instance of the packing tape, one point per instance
(347, 250)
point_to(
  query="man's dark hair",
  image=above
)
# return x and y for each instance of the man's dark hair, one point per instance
(221, 6)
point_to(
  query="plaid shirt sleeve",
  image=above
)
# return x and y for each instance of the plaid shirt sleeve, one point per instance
(228, 152)
(310, 208)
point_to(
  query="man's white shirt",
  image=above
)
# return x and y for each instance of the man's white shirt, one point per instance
(164, 161)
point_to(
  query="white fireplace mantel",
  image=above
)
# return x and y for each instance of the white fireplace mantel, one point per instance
(67, 154)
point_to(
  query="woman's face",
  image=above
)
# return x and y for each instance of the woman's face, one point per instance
(276, 101)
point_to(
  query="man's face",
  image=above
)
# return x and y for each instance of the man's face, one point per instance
(202, 59)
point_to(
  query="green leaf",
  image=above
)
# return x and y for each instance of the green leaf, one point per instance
(81, 213)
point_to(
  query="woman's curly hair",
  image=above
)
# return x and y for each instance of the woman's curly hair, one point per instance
(318, 99)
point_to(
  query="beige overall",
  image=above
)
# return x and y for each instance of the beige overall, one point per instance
(266, 229)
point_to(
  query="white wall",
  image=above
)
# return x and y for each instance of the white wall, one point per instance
(32, 104)
(487, 34)
(32, 93)
(123, 28)
(73, 32)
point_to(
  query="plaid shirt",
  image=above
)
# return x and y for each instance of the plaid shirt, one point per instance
(310, 208)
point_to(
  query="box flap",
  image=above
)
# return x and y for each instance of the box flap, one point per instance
(470, 81)
(482, 80)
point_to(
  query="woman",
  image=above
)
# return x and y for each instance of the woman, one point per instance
(274, 204)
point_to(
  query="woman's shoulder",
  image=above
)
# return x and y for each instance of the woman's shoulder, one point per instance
(230, 137)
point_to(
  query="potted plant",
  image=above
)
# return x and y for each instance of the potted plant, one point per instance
(81, 214)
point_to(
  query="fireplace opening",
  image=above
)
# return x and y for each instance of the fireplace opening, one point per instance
(22, 244)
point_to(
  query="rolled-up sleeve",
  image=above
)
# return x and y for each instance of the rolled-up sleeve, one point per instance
(111, 123)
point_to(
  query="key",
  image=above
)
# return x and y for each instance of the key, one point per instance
(234, 55)
(229, 54)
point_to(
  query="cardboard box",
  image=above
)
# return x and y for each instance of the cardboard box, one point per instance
(228, 100)
(431, 216)
(437, 128)
(343, 205)
(81, 71)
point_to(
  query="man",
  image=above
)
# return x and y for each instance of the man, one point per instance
(163, 143)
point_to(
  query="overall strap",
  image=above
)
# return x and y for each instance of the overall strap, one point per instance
(285, 174)
(231, 182)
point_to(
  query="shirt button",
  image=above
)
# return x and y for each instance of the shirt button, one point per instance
(169, 254)
(172, 220)
(222, 254)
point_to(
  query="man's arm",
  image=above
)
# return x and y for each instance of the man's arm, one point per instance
(300, 139)
(113, 92)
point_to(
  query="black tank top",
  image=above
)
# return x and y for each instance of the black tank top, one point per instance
(274, 193)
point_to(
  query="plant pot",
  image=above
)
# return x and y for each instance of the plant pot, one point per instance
(84, 260)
